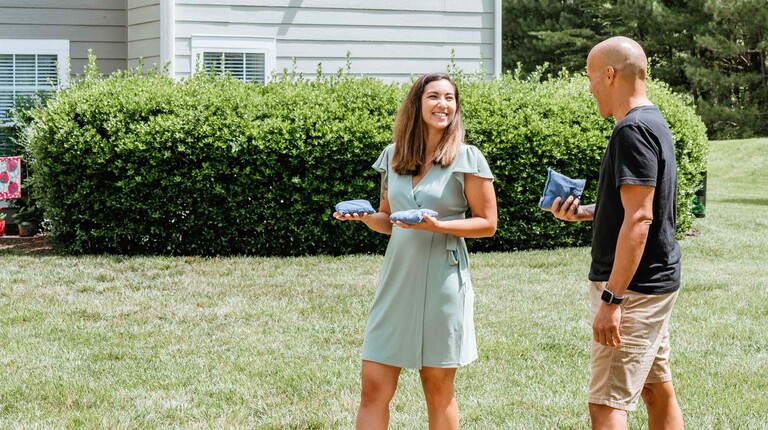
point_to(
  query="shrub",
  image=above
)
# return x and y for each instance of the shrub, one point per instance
(691, 147)
(138, 163)
(525, 126)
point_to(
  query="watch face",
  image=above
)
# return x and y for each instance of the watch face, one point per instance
(607, 297)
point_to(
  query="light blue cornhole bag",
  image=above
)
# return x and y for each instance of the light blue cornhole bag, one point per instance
(560, 186)
(412, 216)
(355, 207)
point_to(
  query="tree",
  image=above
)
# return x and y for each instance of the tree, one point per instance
(728, 73)
(547, 31)
(712, 49)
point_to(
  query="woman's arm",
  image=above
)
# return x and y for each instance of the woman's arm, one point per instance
(482, 201)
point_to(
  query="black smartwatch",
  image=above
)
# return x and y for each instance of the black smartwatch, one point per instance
(610, 298)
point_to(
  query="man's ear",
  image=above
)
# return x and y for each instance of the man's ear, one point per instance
(610, 73)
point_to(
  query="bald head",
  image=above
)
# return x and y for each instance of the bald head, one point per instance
(623, 54)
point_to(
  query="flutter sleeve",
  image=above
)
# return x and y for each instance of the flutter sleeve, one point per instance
(471, 160)
(382, 164)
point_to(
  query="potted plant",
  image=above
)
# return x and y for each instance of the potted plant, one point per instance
(28, 218)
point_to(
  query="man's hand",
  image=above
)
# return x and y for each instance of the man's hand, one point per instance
(605, 327)
(569, 211)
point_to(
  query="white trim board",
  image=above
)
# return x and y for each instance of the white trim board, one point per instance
(497, 48)
(168, 36)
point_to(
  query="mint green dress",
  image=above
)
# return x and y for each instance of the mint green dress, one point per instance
(422, 313)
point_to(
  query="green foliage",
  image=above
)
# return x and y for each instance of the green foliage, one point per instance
(728, 76)
(713, 50)
(547, 31)
(691, 147)
(138, 163)
(28, 206)
(525, 126)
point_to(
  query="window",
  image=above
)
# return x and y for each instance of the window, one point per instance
(24, 75)
(246, 66)
(27, 67)
(251, 59)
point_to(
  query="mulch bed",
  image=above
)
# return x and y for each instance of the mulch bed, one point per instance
(26, 245)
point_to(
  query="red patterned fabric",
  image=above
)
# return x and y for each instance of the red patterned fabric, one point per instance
(10, 177)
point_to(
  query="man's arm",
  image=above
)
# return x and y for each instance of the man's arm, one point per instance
(638, 216)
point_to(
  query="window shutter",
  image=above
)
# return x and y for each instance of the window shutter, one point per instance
(234, 64)
(24, 75)
(212, 62)
(6, 85)
(47, 72)
(246, 66)
(6, 70)
(254, 67)
(25, 71)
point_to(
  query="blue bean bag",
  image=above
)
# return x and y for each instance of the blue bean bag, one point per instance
(412, 216)
(355, 207)
(560, 186)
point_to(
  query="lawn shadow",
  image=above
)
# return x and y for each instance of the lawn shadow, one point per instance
(747, 201)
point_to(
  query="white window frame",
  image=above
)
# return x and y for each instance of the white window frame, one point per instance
(58, 47)
(237, 44)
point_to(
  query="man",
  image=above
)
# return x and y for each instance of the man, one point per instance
(635, 269)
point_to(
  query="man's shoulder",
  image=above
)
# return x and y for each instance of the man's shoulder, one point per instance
(641, 122)
(647, 117)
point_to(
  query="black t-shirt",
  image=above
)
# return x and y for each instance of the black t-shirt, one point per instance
(641, 152)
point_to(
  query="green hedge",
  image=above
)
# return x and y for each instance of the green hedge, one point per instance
(525, 126)
(138, 163)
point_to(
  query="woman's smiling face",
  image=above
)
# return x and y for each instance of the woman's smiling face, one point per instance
(438, 104)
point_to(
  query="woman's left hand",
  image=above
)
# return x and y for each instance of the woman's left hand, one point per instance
(428, 223)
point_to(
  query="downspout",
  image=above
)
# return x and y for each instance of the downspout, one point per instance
(168, 36)
(497, 38)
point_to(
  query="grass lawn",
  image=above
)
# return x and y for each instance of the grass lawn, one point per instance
(116, 342)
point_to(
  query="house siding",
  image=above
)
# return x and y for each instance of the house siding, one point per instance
(143, 32)
(393, 40)
(99, 25)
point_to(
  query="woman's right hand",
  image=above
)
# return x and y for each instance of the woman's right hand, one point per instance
(350, 217)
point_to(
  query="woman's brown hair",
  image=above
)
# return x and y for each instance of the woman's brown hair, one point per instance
(409, 132)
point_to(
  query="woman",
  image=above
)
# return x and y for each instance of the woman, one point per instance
(422, 314)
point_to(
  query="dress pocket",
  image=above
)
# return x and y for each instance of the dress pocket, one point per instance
(455, 257)
(452, 247)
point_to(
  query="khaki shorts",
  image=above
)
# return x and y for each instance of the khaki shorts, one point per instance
(618, 374)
